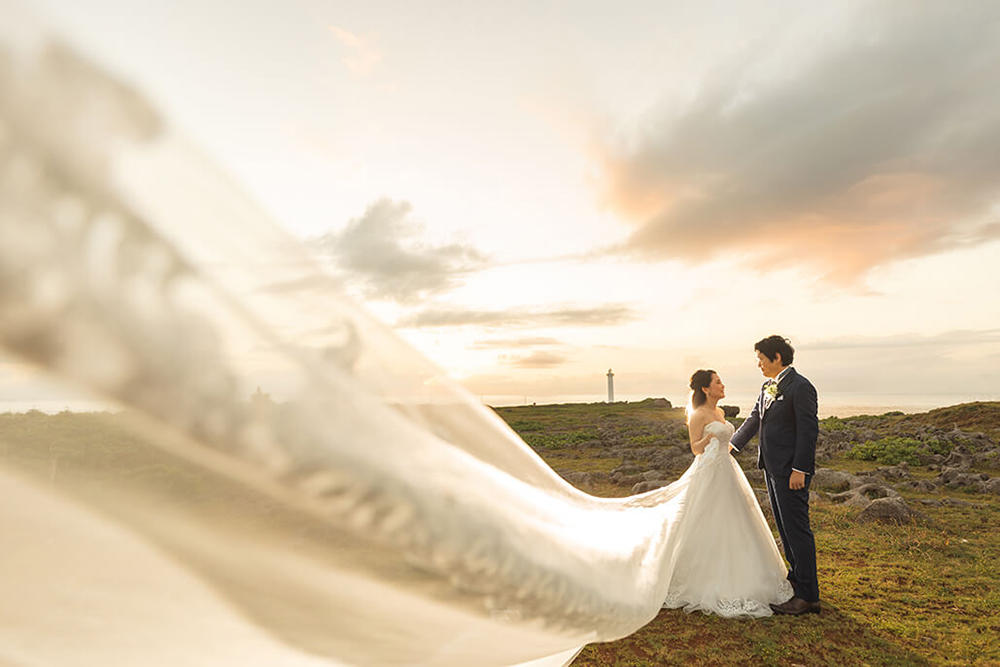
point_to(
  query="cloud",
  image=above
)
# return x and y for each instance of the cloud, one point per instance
(534, 359)
(961, 362)
(360, 56)
(607, 315)
(317, 282)
(380, 251)
(950, 339)
(537, 359)
(884, 145)
(514, 342)
(563, 384)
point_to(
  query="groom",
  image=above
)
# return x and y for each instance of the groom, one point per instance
(784, 419)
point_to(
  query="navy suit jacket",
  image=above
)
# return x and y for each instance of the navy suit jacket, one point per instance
(787, 430)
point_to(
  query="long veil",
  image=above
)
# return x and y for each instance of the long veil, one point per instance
(375, 513)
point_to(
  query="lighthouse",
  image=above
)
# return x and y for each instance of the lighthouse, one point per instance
(611, 386)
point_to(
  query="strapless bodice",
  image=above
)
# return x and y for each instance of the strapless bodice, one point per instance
(721, 433)
(721, 430)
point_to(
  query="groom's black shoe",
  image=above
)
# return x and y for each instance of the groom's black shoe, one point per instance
(796, 606)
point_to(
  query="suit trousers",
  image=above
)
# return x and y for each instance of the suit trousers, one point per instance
(791, 513)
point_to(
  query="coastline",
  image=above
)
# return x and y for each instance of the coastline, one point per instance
(831, 404)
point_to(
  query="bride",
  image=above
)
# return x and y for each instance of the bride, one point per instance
(726, 559)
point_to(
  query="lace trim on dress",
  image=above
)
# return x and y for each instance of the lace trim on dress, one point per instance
(732, 607)
(726, 608)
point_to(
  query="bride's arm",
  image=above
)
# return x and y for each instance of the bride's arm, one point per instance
(701, 440)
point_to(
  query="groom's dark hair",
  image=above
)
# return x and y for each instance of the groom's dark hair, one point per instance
(772, 346)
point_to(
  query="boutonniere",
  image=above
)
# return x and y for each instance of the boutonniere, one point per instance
(772, 390)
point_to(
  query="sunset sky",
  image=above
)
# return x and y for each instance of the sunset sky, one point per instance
(533, 192)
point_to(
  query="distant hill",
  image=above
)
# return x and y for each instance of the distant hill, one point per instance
(979, 416)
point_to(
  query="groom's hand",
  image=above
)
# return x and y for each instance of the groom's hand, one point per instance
(797, 480)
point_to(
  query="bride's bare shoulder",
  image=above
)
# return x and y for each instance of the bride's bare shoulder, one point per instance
(698, 418)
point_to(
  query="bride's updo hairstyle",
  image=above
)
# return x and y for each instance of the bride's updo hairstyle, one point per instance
(699, 381)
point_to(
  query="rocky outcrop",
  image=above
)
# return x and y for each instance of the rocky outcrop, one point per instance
(893, 473)
(756, 477)
(922, 485)
(834, 481)
(655, 452)
(627, 469)
(862, 496)
(649, 485)
(627, 480)
(671, 458)
(957, 478)
(628, 474)
(887, 510)
(947, 502)
(583, 478)
(959, 460)
(764, 502)
(576, 478)
(987, 459)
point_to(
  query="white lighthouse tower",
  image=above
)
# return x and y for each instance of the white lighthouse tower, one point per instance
(611, 386)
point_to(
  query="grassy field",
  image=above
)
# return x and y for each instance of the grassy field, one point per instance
(923, 593)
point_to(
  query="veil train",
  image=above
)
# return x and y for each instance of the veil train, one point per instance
(375, 514)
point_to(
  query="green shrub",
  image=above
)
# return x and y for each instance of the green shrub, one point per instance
(580, 435)
(942, 447)
(833, 424)
(522, 425)
(540, 440)
(892, 450)
(557, 439)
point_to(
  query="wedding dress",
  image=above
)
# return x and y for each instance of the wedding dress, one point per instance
(375, 514)
(725, 558)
